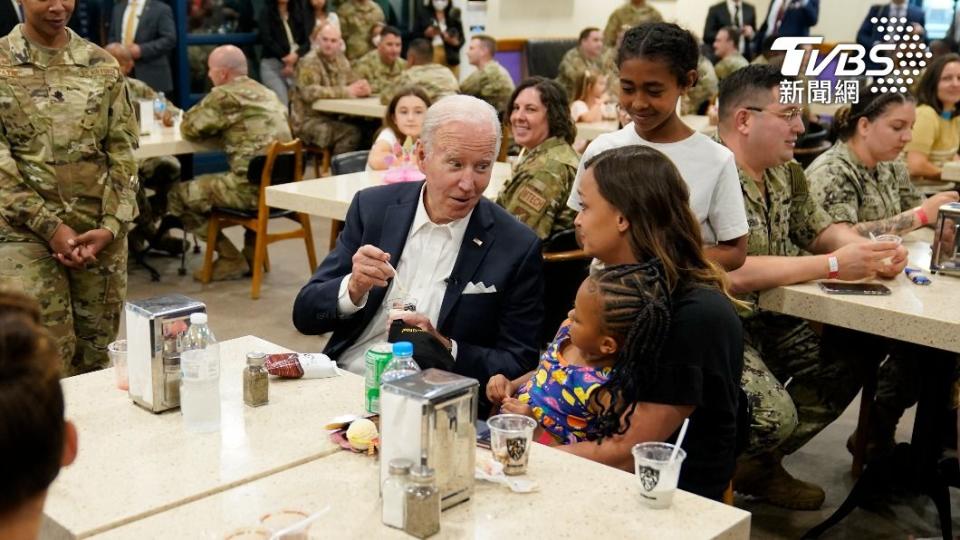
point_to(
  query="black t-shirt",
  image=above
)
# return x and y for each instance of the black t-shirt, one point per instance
(700, 365)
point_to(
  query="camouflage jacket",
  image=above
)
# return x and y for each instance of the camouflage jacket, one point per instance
(246, 115)
(141, 91)
(852, 193)
(492, 84)
(316, 78)
(706, 88)
(378, 74)
(572, 67)
(436, 80)
(356, 21)
(541, 183)
(627, 15)
(67, 134)
(730, 64)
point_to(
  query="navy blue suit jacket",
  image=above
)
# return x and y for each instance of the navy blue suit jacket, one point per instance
(796, 21)
(495, 332)
(868, 35)
(157, 36)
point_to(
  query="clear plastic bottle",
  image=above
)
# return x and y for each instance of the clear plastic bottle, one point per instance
(200, 377)
(402, 363)
(159, 107)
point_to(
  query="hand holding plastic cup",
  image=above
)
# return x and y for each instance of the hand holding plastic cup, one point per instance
(887, 238)
(117, 351)
(510, 438)
(398, 306)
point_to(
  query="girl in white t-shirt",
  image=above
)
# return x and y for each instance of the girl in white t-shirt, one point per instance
(658, 64)
(404, 118)
(591, 101)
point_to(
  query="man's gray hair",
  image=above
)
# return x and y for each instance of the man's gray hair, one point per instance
(459, 108)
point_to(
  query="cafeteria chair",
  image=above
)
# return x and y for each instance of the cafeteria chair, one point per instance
(542, 56)
(321, 158)
(565, 266)
(345, 163)
(282, 164)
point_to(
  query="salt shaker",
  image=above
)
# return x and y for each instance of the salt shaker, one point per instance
(421, 503)
(394, 491)
(256, 389)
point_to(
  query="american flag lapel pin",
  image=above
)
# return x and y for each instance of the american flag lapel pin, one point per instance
(478, 242)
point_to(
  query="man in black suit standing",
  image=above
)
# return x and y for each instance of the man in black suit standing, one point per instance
(474, 270)
(146, 29)
(10, 15)
(735, 13)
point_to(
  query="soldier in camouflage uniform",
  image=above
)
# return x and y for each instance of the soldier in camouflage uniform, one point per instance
(587, 55)
(159, 173)
(490, 82)
(631, 14)
(324, 73)
(726, 49)
(357, 19)
(67, 182)
(436, 80)
(878, 200)
(382, 66)
(826, 371)
(701, 93)
(542, 178)
(247, 116)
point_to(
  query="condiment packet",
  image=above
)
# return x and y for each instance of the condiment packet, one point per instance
(297, 365)
(492, 471)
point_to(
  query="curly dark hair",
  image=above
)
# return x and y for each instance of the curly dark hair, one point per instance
(635, 301)
(871, 106)
(927, 87)
(554, 98)
(32, 428)
(666, 42)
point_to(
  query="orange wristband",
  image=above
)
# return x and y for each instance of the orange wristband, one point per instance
(922, 216)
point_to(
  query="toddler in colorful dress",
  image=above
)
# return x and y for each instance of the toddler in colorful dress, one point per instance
(608, 315)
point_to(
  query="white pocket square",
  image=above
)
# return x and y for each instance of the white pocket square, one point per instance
(479, 288)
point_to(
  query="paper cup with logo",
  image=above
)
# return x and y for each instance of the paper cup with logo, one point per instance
(510, 438)
(656, 476)
(287, 522)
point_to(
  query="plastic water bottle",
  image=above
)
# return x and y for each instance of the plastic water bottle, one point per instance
(200, 377)
(159, 107)
(402, 363)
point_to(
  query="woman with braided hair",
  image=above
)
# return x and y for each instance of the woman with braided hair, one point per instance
(635, 211)
(615, 307)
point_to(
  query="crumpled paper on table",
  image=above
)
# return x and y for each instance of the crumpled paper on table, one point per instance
(492, 471)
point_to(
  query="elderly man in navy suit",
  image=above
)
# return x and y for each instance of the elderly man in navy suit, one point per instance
(146, 29)
(868, 36)
(475, 270)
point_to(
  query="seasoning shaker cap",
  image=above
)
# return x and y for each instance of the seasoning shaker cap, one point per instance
(421, 474)
(400, 466)
(256, 359)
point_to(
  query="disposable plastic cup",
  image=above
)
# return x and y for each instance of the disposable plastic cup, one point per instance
(398, 306)
(656, 476)
(117, 351)
(888, 238)
(287, 520)
(510, 438)
(249, 533)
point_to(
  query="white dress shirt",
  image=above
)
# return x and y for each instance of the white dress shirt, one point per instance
(426, 262)
(136, 11)
(898, 11)
(736, 20)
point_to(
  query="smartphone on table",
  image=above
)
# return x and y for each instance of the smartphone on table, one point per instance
(848, 287)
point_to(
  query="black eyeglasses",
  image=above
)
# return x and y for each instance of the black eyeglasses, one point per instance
(788, 116)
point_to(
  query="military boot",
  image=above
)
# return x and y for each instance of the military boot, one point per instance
(230, 263)
(764, 477)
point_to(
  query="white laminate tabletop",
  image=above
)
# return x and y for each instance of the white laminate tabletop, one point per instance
(330, 197)
(592, 130)
(368, 106)
(578, 499)
(927, 315)
(167, 141)
(133, 463)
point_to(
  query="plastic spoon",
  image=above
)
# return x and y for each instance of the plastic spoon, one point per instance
(676, 447)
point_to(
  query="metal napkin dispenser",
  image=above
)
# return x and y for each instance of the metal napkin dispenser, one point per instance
(156, 328)
(429, 418)
(946, 241)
